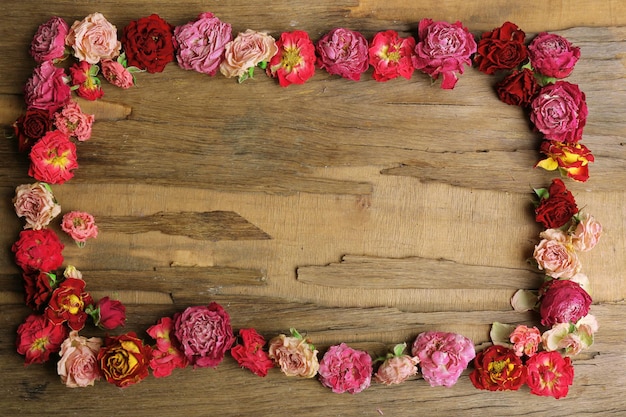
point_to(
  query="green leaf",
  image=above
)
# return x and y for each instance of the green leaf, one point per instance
(542, 193)
(262, 65)
(295, 333)
(398, 349)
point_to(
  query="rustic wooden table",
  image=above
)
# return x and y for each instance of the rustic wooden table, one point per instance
(359, 212)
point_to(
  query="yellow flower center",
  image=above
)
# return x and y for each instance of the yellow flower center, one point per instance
(393, 56)
(73, 304)
(58, 161)
(39, 344)
(291, 58)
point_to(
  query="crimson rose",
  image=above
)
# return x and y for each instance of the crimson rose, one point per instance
(38, 287)
(562, 301)
(30, 127)
(38, 250)
(148, 43)
(498, 368)
(502, 48)
(558, 208)
(250, 354)
(108, 313)
(518, 88)
(37, 338)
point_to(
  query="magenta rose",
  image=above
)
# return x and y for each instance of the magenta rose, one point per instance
(49, 42)
(562, 301)
(344, 369)
(442, 356)
(443, 49)
(560, 112)
(204, 333)
(553, 55)
(46, 88)
(343, 52)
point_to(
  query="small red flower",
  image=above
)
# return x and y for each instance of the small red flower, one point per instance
(38, 250)
(68, 303)
(53, 158)
(250, 353)
(549, 374)
(37, 338)
(294, 63)
(107, 313)
(558, 208)
(31, 127)
(498, 368)
(390, 55)
(84, 75)
(38, 287)
(166, 355)
(501, 49)
(519, 88)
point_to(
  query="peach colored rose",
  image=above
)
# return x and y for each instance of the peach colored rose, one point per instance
(587, 233)
(525, 340)
(396, 370)
(294, 355)
(246, 51)
(94, 38)
(556, 256)
(36, 204)
(78, 366)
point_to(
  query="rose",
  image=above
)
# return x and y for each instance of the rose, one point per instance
(93, 38)
(245, 52)
(250, 354)
(443, 48)
(587, 233)
(391, 55)
(30, 127)
(73, 122)
(80, 226)
(200, 44)
(294, 63)
(38, 250)
(67, 304)
(562, 301)
(46, 88)
(553, 55)
(502, 48)
(572, 159)
(49, 42)
(204, 333)
(295, 355)
(442, 356)
(124, 359)
(397, 367)
(148, 43)
(36, 203)
(38, 287)
(557, 208)
(343, 52)
(555, 255)
(166, 355)
(116, 74)
(525, 340)
(518, 88)
(53, 158)
(84, 75)
(37, 338)
(108, 313)
(497, 368)
(343, 369)
(78, 366)
(549, 374)
(559, 111)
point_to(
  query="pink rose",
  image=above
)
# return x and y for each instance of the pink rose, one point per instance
(343, 52)
(555, 255)
(294, 355)
(553, 55)
(116, 74)
(443, 48)
(73, 122)
(525, 340)
(200, 44)
(36, 203)
(46, 89)
(559, 111)
(245, 52)
(80, 226)
(344, 369)
(204, 333)
(78, 366)
(442, 356)
(391, 56)
(396, 370)
(94, 38)
(587, 233)
(562, 301)
(49, 42)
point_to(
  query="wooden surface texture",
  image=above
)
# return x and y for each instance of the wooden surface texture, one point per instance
(357, 212)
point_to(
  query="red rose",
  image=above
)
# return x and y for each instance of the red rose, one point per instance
(518, 88)
(560, 112)
(31, 127)
(498, 368)
(109, 314)
(502, 48)
(558, 208)
(250, 353)
(68, 302)
(294, 63)
(562, 301)
(124, 360)
(391, 55)
(549, 374)
(37, 338)
(38, 287)
(148, 43)
(84, 75)
(38, 250)
(53, 158)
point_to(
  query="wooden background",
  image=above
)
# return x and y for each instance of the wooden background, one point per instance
(357, 212)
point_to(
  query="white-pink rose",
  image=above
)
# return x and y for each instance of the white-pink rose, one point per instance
(294, 355)
(556, 256)
(49, 42)
(78, 366)
(587, 233)
(116, 74)
(94, 38)
(73, 122)
(396, 370)
(36, 203)
(246, 51)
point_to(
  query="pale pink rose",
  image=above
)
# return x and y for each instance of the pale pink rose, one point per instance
(47, 88)
(343, 52)
(556, 256)
(344, 369)
(78, 366)
(553, 55)
(442, 356)
(200, 44)
(294, 355)
(73, 122)
(587, 233)
(80, 226)
(246, 51)
(94, 38)
(116, 74)
(396, 370)
(525, 340)
(36, 203)
(49, 42)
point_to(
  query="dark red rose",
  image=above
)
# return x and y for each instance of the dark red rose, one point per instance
(558, 209)
(250, 354)
(518, 88)
(498, 368)
(68, 303)
(562, 301)
(124, 359)
(38, 287)
(37, 338)
(109, 314)
(148, 43)
(31, 127)
(501, 49)
(38, 250)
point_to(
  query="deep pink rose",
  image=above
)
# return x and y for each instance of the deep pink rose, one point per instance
(53, 158)
(344, 369)
(442, 356)
(443, 48)
(73, 122)
(549, 374)
(204, 333)
(552, 55)
(343, 52)
(49, 42)
(116, 74)
(562, 301)
(200, 44)
(559, 111)
(391, 56)
(46, 88)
